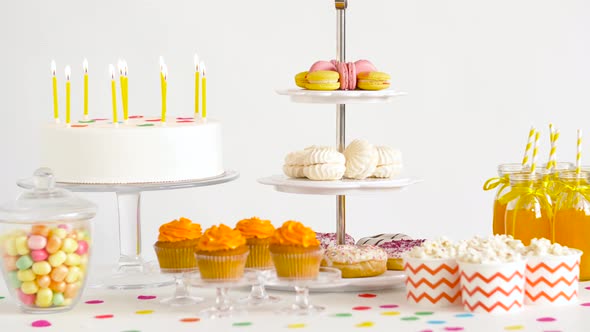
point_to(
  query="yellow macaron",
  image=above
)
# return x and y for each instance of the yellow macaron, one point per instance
(373, 80)
(323, 80)
(300, 79)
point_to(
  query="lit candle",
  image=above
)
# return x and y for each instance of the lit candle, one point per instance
(54, 81)
(163, 78)
(197, 81)
(113, 93)
(126, 103)
(68, 88)
(204, 87)
(85, 67)
(121, 67)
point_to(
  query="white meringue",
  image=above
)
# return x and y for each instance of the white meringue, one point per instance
(324, 172)
(361, 159)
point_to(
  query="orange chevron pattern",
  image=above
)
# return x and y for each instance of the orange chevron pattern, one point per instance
(552, 270)
(433, 300)
(492, 292)
(431, 271)
(431, 285)
(554, 298)
(491, 308)
(552, 284)
(487, 280)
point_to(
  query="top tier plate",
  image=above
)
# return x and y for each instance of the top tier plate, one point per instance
(340, 97)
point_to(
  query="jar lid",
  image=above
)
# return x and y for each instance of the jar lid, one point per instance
(46, 203)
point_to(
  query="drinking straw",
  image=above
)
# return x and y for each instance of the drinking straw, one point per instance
(579, 152)
(535, 152)
(552, 154)
(525, 159)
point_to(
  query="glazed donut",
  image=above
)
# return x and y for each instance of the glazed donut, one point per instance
(395, 249)
(328, 240)
(381, 238)
(356, 261)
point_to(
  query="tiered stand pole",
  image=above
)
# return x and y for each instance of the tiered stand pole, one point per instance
(341, 115)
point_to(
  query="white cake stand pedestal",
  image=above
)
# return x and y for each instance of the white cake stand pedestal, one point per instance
(132, 271)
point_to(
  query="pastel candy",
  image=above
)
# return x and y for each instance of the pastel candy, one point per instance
(40, 230)
(57, 259)
(26, 299)
(73, 260)
(53, 244)
(24, 262)
(69, 245)
(20, 243)
(66, 227)
(10, 246)
(43, 281)
(59, 273)
(72, 290)
(26, 275)
(44, 298)
(58, 299)
(37, 242)
(59, 232)
(41, 268)
(13, 280)
(10, 262)
(73, 275)
(39, 255)
(29, 287)
(58, 287)
(82, 247)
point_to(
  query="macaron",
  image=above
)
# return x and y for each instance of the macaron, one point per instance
(364, 65)
(300, 79)
(323, 80)
(347, 71)
(322, 65)
(373, 80)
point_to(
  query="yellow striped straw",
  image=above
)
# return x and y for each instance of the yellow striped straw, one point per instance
(579, 152)
(552, 149)
(535, 152)
(525, 159)
(553, 155)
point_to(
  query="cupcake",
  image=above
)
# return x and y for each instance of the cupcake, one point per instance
(257, 233)
(221, 254)
(295, 251)
(176, 244)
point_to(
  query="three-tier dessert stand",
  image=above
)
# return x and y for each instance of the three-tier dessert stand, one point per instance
(344, 187)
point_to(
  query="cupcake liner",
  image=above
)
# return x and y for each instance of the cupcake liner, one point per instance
(176, 258)
(552, 279)
(216, 267)
(297, 265)
(259, 257)
(493, 288)
(432, 282)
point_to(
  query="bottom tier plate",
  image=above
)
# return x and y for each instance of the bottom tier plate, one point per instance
(388, 280)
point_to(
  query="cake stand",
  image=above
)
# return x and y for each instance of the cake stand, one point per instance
(132, 271)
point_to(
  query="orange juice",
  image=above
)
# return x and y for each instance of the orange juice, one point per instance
(572, 229)
(503, 184)
(527, 224)
(499, 224)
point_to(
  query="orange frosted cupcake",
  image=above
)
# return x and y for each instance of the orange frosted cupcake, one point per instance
(176, 244)
(221, 253)
(257, 233)
(295, 251)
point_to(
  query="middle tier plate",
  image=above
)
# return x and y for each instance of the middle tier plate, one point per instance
(339, 187)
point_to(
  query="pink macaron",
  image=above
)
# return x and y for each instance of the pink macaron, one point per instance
(322, 65)
(347, 71)
(364, 66)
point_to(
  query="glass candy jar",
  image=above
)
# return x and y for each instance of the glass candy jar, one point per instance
(45, 242)
(572, 216)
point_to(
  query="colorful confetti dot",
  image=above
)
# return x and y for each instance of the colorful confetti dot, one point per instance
(587, 304)
(453, 328)
(588, 287)
(78, 125)
(423, 313)
(144, 312)
(361, 308)
(514, 328)
(426, 331)
(190, 320)
(146, 297)
(94, 302)
(367, 295)
(296, 326)
(410, 318)
(436, 322)
(388, 306)
(184, 118)
(85, 121)
(464, 315)
(104, 316)
(136, 117)
(40, 323)
(390, 313)
(242, 324)
(146, 125)
(99, 119)
(365, 324)
(153, 120)
(185, 121)
(343, 314)
(546, 319)
(1, 297)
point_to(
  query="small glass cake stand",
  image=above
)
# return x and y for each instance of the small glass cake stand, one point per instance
(302, 306)
(181, 296)
(132, 272)
(223, 306)
(258, 295)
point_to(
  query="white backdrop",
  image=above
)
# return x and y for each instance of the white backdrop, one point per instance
(478, 74)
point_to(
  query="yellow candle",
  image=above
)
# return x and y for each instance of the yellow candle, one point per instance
(164, 84)
(122, 81)
(113, 93)
(68, 88)
(204, 87)
(126, 90)
(85, 66)
(197, 81)
(54, 81)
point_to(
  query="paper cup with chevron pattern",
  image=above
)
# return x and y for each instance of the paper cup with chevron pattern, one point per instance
(552, 279)
(493, 287)
(432, 282)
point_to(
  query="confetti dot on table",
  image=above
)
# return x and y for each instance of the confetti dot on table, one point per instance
(367, 295)
(153, 120)
(426, 331)
(144, 312)
(365, 324)
(146, 125)
(588, 288)
(296, 326)
(453, 328)
(465, 315)
(78, 125)
(388, 306)
(242, 324)
(136, 117)
(190, 320)
(184, 118)
(40, 323)
(86, 121)
(146, 297)
(410, 318)
(104, 316)
(546, 319)
(423, 313)
(514, 328)
(1, 297)
(587, 304)
(94, 302)
(436, 322)
(361, 308)
(185, 121)
(100, 119)
(343, 314)
(390, 313)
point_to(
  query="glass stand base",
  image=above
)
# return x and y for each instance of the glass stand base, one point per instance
(302, 311)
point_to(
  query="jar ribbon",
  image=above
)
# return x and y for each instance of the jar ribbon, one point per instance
(494, 182)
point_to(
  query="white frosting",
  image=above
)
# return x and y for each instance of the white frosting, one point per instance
(294, 171)
(361, 159)
(128, 153)
(493, 249)
(544, 247)
(322, 155)
(324, 172)
(442, 248)
(351, 254)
